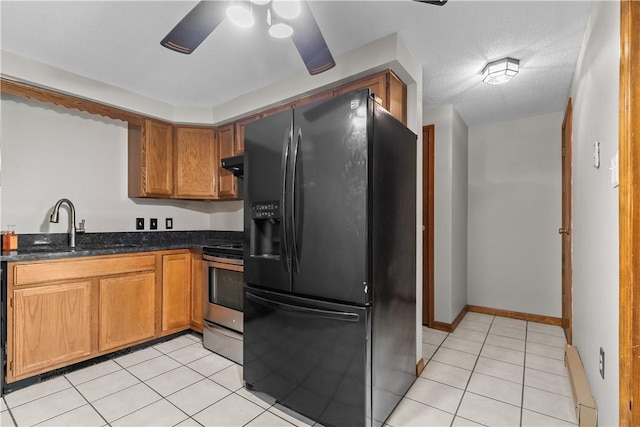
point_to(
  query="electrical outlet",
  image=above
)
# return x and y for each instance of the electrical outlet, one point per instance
(168, 223)
(602, 362)
(139, 223)
(153, 223)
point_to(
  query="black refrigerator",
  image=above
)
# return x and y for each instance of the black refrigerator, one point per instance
(330, 260)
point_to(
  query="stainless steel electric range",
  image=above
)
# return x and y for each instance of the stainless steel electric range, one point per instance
(222, 299)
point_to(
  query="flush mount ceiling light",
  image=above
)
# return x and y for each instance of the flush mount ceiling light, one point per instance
(500, 71)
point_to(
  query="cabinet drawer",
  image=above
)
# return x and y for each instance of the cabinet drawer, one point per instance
(51, 271)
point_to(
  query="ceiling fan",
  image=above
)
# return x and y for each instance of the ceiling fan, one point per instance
(303, 29)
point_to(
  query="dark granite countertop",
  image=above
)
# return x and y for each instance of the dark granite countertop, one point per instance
(37, 247)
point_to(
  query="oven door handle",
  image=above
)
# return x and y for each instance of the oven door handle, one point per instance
(309, 311)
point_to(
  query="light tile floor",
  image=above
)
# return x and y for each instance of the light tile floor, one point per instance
(490, 371)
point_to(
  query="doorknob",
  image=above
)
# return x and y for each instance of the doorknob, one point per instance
(563, 231)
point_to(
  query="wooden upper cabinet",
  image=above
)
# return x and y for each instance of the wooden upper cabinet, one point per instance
(388, 90)
(397, 98)
(194, 167)
(150, 159)
(313, 98)
(51, 327)
(239, 131)
(227, 187)
(377, 83)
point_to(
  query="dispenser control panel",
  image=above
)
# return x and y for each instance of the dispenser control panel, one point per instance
(265, 210)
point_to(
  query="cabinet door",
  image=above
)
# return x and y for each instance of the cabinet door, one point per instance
(197, 282)
(226, 148)
(127, 309)
(239, 131)
(194, 163)
(52, 326)
(377, 83)
(157, 158)
(176, 283)
(397, 98)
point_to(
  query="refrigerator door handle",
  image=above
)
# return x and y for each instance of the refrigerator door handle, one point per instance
(294, 221)
(316, 312)
(284, 235)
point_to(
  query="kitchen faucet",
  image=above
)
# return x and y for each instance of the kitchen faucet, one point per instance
(72, 219)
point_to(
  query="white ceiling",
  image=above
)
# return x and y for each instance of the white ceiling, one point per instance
(118, 42)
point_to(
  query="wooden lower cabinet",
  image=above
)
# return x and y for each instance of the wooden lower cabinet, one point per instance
(197, 282)
(176, 277)
(127, 309)
(52, 326)
(61, 312)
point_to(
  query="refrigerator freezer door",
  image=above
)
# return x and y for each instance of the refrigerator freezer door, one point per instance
(267, 142)
(311, 356)
(329, 182)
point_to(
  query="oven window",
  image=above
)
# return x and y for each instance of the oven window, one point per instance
(225, 288)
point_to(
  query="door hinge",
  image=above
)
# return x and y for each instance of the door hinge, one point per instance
(563, 298)
(11, 366)
(564, 151)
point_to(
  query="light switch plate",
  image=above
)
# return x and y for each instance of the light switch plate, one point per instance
(139, 223)
(168, 223)
(153, 223)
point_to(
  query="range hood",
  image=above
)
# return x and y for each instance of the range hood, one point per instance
(234, 164)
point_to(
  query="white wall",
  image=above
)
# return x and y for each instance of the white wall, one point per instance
(459, 219)
(450, 216)
(514, 213)
(595, 206)
(49, 153)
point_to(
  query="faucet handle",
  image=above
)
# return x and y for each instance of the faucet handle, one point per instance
(80, 228)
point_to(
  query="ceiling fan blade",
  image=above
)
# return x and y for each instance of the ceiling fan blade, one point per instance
(434, 2)
(309, 41)
(195, 26)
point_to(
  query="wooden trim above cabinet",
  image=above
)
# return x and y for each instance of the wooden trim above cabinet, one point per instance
(12, 87)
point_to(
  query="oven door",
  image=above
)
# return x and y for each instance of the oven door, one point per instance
(223, 294)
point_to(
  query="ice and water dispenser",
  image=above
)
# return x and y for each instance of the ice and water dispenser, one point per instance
(265, 229)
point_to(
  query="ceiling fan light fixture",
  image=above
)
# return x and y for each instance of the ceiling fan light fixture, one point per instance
(500, 71)
(277, 27)
(240, 13)
(280, 30)
(287, 9)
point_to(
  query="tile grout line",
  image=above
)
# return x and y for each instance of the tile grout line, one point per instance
(524, 371)
(472, 372)
(13, 420)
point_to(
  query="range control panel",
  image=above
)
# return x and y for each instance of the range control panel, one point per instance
(265, 210)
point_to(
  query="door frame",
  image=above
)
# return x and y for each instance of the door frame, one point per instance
(566, 229)
(428, 185)
(629, 219)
